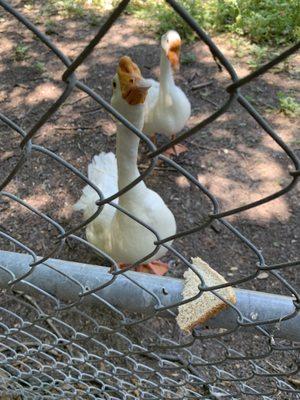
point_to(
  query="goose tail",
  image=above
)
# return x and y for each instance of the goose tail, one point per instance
(102, 172)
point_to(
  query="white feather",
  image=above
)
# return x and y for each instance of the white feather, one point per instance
(167, 108)
(112, 231)
(102, 172)
(166, 112)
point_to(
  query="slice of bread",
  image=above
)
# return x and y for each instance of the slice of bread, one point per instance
(207, 305)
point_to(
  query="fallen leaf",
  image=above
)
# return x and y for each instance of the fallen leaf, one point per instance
(108, 128)
(176, 150)
(6, 155)
(154, 267)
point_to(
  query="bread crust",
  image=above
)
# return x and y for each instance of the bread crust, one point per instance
(209, 314)
(208, 305)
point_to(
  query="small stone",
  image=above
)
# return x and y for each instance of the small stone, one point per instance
(263, 275)
(226, 151)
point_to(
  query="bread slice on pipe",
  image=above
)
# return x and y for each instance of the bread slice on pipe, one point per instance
(207, 305)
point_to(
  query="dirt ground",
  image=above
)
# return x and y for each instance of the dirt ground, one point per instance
(233, 157)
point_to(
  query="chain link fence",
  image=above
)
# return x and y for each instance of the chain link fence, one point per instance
(77, 331)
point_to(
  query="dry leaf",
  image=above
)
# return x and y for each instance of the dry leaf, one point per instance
(6, 155)
(154, 267)
(176, 150)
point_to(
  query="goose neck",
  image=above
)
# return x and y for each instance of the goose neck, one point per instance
(127, 157)
(166, 73)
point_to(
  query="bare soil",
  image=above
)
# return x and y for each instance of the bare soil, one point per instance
(233, 157)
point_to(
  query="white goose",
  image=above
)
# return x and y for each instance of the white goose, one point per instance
(167, 107)
(112, 231)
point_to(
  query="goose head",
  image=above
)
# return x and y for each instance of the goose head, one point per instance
(171, 45)
(129, 89)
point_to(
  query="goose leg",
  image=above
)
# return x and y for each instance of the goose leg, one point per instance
(176, 149)
(154, 139)
(159, 162)
(154, 267)
(174, 146)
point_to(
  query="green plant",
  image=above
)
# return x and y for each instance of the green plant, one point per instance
(261, 21)
(50, 26)
(162, 17)
(250, 98)
(188, 58)
(268, 21)
(288, 105)
(295, 142)
(77, 9)
(70, 8)
(259, 55)
(21, 51)
(39, 67)
(240, 46)
(284, 66)
(94, 19)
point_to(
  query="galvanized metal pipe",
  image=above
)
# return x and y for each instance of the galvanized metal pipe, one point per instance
(124, 294)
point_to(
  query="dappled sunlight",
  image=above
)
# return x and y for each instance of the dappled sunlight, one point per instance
(241, 69)
(286, 84)
(265, 169)
(196, 118)
(236, 163)
(7, 46)
(17, 96)
(182, 182)
(47, 91)
(234, 158)
(106, 127)
(44, 201)
(129, 36)
(39, 200)
(204, 56)
(287, 130)
(258, 175)
(233, 193)
(228, 50)
(3, 95)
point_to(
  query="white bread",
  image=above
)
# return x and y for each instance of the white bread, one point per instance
(207, 305)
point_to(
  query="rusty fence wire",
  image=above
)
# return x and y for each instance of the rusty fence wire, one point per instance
(73, 331)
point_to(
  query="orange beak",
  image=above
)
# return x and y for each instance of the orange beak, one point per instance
(133, 86)
(173, 54)
(136, 93)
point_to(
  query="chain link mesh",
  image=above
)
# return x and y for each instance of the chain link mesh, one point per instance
(87, 347)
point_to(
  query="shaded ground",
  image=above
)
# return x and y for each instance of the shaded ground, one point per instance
(232, 157)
